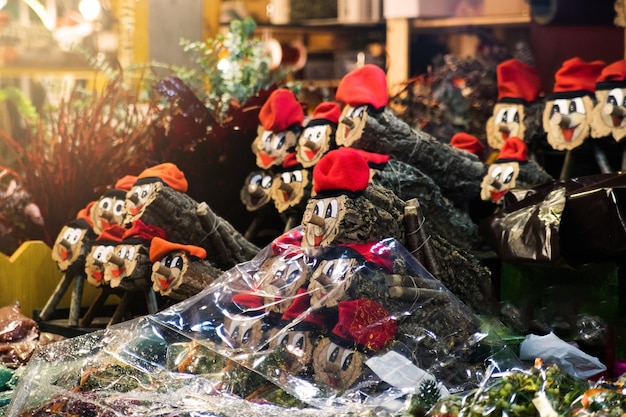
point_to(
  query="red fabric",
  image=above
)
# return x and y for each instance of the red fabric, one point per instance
(468, 143)
(375, 252)
(113, 233)
(288, 241)
(160, 247)
(341, 169)
(300, 304)
(518, 80)
(143, 231)
(615, 71)
(364, 85)
(280, 111)
(290, 161)
(365, 322)
(327, 110)
(373, 159)
(84, 213)
(514, 148)
(577, 75)
(248, 301)
(125, 183)
(169, 173)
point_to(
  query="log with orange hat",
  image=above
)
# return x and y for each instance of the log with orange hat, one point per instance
(159, 198)
(369, 125)
(179, 271)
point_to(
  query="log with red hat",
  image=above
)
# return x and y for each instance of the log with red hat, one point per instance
(292, 188)
(517, 111)
(281, 118)
(568, 110)
(609, 113)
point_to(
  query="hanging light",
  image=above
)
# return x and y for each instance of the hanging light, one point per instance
(90, 9)
(3, 3)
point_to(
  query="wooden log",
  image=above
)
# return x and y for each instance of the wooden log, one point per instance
(128, 266)
(189, 222)
(456, 172)
(440, 215)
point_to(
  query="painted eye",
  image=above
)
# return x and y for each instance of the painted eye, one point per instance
(246, 336)
(559, 106)
(266, 182)
(332, 209)
(105, 203)
(101, 252)
(235, 333)
(286, 177)
(121, 251)
(256, 179)
(279, 141)
(332, 357)
(496, 172)
(501, 116)
(72, 235)
(266, 140)
(329, 268)
(515, 116)
(130, 254)
(298, 341)
(508, 175)
(145, 191)
(296, 176)
(347, 360)
(177, 262)
(577, 106)
(359, 111)
(616, 97)
(319, 207)
(118, 208)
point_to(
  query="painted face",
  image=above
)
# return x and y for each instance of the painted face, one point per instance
(330, 280)
(336, 367)
(68, 246)
(499, 180)
(567, 121)
(290, 188)
(120, 263)
(280, 278)
(321, 220)
(256, 191)
(138, 198)
(351, 124)
(95, 263)
(108, 210)
(271, 148)
(506, 121)
(298, 347)
(609, 114)
(314, 142)
(241, 331)
(167, 273)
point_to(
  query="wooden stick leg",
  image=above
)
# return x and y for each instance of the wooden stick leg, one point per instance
(624, 159)
(567, 165)
(55, 298)
(292, 221)
(76, 301)
(250, 233)
(95, 306)
(121, 310)
(601, 159)
(151, 301)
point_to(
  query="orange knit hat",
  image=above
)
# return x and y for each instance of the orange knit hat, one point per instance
(125, 183)
(168, 173)
(160, 247)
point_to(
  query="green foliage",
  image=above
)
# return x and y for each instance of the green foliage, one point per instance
(22, 103)
(232, 67)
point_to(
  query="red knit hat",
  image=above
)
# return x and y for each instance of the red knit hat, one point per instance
(168, 173)
(612, 76)
(364, 85)
(325, 112)
(280, 111)
(160, 247)
(467, 142)
(577, 75)
(514, 149)
(341, 169)
(517, 81)
(366, 323)
(125, 183)
(374, 160)
(300, 304)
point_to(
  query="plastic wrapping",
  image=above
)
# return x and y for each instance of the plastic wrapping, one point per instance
(575, 220)
(346, 327)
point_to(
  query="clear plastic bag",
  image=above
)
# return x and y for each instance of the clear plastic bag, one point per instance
(355, 327)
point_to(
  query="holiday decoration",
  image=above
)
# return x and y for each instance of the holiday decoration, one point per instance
(318, 136)
(609, 114)
(518, 87)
